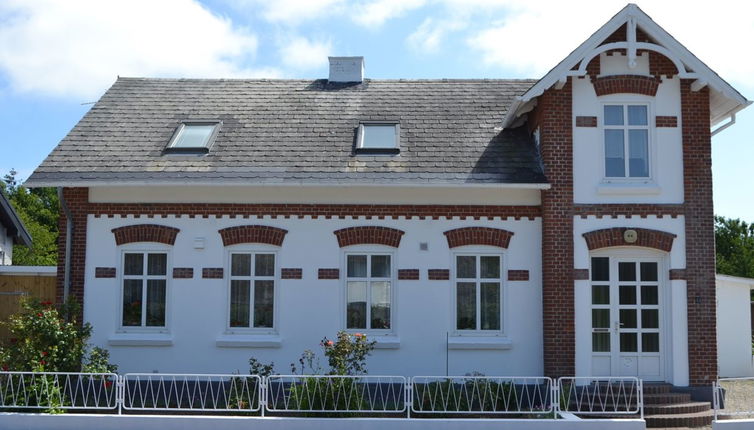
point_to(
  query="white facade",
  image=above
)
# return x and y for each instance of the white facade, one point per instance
(6, 247)
(734, 326)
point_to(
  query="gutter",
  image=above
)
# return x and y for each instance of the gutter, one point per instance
(68, 240)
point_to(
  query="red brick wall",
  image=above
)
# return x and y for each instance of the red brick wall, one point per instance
(478, 236)
(647, 238)
(145, 233)
(77, 201)
(253, 234)
(369, 235)
(626, 84)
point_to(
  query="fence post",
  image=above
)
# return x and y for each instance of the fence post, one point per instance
(715, 397)
(120, 392)
(641, 398)
(262, 394)
(555, 396)
(408, 397)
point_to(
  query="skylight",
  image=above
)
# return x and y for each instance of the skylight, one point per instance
(193, 136)
(380, 138)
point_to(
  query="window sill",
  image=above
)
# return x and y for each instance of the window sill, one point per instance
(385, 342)
(140, 339)
(248, 341)
(628, 188)
(479, 342)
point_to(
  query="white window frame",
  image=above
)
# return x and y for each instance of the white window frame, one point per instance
(479, 251)
(626, 101)
(143, 248)
(395, 149)
(253, 250)
(194, 149)
(368, 250)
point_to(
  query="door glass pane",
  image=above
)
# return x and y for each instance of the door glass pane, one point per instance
(357, 266)
(380, 305)
(239, 303)
(600, 269)
(637, 115)
(648, 272)
(264, 293)
(615, 165)
(381, 266)
(601, 342)
(650, 318)
(626, 272)
(649, 294)
(613, 115)
(490, 305)
(156, 302)
(264, 265)
(466, 306)
(628, 318)
(466, 266)
(650, 342)
(132, 301)
(601, 318)
(356, 312)
(628, 342)
(157, 264)
(134, 264)
(627, 295)
(490, 267)
(240, 265)
(600, 294)
(638, 157)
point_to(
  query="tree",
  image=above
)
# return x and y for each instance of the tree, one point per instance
(38, 209)
(734, 246)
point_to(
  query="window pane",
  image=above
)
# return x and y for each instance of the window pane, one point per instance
(600, 269)
(637, 115)
(600, 318)
(649, 295)
(194, 136)
(157, 264)
(381, 266)
(356, 311)
(614, 154)
(613, 115)
(466, 306)
(490, 267)
(239, 303)
(628, 318)
(648, 272)
(638, 157)
(264, 265)
(490, 305)
(132, 301)
(380, 305)
(650, 318)
(601, 342)
(466, 266)
(156, 302)
(626, 272)
(240, 265)
(357, 266)
(650, 342)
(378, 136)
(627, 295)
(628, 342)
(600, 294)
(264, 293)
(134, 264)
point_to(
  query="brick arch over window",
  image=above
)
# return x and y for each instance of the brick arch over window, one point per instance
(253, 234)
(369, 235)
(631, 84)
(647, 238)
(145, 233)
(478, 236)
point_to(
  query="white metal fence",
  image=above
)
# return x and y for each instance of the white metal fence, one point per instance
(446, 396)
(733, 398)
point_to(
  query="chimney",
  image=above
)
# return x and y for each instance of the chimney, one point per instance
(346, 69)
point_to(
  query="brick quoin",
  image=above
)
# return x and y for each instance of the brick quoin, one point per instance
(438, 274)
(586, 121)
(291, 273)
(518, 275)
(614, 237)
(369, 235)
(328, 274)
(408, 274)
(252, 234)
(626, 84)
(478, 236)
(145, 233)
(104, 272)
(183, 273)
(212, 273)
(677, 274)
(666, 121)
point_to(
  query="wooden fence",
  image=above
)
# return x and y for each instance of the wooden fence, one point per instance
(17, 282)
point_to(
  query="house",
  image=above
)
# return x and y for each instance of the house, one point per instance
(734, 326)
(12, 231)
(559, 226)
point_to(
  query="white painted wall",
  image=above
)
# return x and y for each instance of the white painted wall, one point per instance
(309, 309)
(734, 326)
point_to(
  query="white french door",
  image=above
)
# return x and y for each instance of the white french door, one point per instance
(627, 326)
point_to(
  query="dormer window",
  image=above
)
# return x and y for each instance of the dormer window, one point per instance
(378, 138)
(193, 137)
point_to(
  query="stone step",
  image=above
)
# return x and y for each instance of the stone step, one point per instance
(696, 419)
(656, 388)
(666, 398)
(677, 408)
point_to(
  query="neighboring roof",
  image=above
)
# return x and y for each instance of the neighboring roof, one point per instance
(12, 223)
(748, 282)
(297, 131)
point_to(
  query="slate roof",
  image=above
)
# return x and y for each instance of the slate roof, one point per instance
(297, 131)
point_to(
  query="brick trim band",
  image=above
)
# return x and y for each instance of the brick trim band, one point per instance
(621, 84)
(328, 274)
(291, 273)
(615, 237)
(104, 272)
(478, 236)
(408, 274)
(183, 273)
(678, 274)
(438, 274)
(586, 121)
(580, 274)
(666, 121)
(518, 275)
(145, 233)
(252, 234)
(368, 235)
(212, 273)
(614, 210)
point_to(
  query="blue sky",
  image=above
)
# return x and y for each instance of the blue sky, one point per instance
(58, 55)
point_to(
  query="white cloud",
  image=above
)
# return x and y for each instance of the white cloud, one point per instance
(431, 33)
(77, 47)
(376, 12)
(300, 53)
(290, 12)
